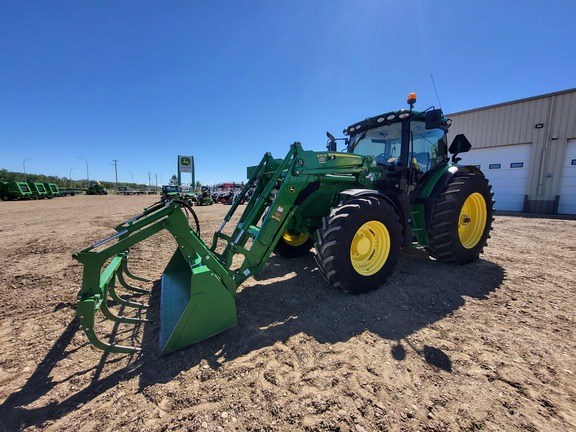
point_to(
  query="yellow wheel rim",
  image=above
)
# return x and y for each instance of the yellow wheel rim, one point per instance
(370, 248)
(472, 220)
(294, 239)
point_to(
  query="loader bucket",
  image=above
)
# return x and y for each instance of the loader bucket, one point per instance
(194, 304)
(197, 292)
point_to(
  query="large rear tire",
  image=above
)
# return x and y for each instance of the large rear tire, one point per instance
(358, 244)
(462, 219)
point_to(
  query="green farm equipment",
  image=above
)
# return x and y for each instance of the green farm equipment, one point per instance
(96, 188)
(52, 189)
(204, 198)
(38, 190)
(15, 191)
(170, 192)
(174, 192)
(395, 184)
(27, 190)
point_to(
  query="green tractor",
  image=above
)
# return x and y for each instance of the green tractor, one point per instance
(174, 192)
(394, 185)
(204, 198)
(170, 192)
(96, 188)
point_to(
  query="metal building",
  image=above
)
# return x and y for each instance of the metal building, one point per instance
(527, 149)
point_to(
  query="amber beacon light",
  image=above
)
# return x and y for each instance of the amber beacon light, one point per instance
(411, 99)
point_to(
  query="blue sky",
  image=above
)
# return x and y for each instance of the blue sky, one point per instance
(141, 82)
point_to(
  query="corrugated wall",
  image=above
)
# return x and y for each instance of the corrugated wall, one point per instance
(515, 123)
(503, 124)
(564, 127)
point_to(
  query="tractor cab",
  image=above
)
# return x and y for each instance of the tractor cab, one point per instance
(405, 144)
(424, 148)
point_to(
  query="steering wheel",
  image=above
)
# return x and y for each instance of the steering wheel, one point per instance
(385, 159)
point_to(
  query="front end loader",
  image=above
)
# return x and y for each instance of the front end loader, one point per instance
(394, 185)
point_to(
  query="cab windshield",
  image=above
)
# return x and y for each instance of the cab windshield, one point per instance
(427, 149)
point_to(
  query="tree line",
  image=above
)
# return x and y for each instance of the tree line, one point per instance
(63, 182)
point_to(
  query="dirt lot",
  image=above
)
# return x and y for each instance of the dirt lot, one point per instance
(487, 346)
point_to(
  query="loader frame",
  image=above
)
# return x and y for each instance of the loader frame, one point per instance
(198, 302)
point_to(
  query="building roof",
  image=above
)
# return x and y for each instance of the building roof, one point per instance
(547, 95)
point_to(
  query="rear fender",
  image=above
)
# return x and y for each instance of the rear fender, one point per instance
(435, 184)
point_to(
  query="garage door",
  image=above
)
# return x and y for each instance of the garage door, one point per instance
(506, 168)
(567, 203)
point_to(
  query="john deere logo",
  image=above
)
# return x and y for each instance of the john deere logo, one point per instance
(185, 161)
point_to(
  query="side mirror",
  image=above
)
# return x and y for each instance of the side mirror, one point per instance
(434, 119)
(331, 146)
(460, 144)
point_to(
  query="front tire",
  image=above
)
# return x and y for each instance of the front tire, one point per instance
(293, 245)
(462, 219)
(359, 244)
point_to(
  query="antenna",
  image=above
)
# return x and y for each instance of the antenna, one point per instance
(437, 97)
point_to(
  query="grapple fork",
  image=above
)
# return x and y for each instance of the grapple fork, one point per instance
(97, 297)
(197, 299)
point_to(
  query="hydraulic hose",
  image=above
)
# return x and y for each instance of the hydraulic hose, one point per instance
(184, 204)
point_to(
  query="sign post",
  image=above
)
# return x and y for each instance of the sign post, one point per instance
(185, 165)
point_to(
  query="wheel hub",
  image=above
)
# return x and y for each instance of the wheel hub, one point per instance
(472, 220)
(363, 245)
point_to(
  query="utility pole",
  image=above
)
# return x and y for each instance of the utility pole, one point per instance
(116, 170)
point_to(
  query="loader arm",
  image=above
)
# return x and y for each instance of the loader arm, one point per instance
(199, 283)
(265, 218)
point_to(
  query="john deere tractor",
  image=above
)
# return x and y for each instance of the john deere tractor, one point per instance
(96, 188)
(394, 185)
